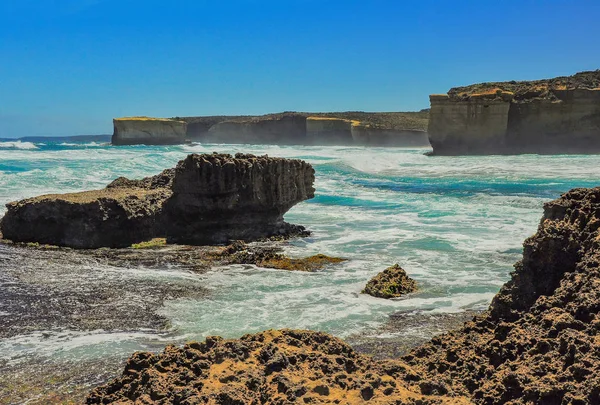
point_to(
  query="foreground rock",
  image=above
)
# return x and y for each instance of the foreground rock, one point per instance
(537, 344)
(560, 115)
(148, 131)
(273, 367)
(207, 199)
(393, 282)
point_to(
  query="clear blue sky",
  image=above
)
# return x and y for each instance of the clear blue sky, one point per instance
(68, 66)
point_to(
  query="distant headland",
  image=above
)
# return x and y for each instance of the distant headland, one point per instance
(549, 116)
(288, 128)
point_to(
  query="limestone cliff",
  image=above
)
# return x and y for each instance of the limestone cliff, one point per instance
(560, 115)
(329, 131)
(370, 135)
(148, 131)
(285, 129)
(207, 199)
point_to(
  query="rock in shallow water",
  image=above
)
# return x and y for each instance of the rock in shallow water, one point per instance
(206, 199)
(393, 282)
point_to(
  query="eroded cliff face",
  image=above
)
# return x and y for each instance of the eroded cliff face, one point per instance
(329, 131)
(288, 129)
(559, 115)
(368, 135)
(148, 131)
(207, 199)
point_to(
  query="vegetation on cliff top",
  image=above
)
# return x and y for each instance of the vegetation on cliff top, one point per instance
(416, 120)
(524, 90)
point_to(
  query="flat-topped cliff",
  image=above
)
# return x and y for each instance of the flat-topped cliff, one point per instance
(560, 115)
(287, 128)
(149, 131)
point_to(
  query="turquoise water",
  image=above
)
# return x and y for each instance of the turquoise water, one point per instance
(456, 224)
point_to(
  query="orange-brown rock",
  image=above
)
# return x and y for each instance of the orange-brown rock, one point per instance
(539, 342)
(393, 282)
(272, 367)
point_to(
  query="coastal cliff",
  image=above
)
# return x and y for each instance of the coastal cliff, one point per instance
(148, 131)
(560, 115)
(370, 135)
(283, 129)
(206, 199)
(329, 131)
(288, 128)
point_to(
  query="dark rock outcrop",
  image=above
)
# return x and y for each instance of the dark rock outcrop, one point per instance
(393, 282)
(537, 344)
(217, 198)
(206, 199)
(148, 131)
(560, 115)
(125, 212)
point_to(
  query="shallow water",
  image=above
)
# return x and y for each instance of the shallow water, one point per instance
(456, 224)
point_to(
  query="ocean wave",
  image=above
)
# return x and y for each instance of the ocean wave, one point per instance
(17, 145)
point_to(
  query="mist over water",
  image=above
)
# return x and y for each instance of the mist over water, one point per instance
(456, 224)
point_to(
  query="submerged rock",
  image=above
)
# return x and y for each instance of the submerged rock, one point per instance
(393, 282)
(206, 199)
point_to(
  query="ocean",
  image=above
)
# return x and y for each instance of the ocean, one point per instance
(455, 224)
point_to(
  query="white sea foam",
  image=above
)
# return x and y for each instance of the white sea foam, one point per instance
(17, 145)
(456, 224)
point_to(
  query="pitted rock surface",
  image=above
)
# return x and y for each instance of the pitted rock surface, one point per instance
(272, 367)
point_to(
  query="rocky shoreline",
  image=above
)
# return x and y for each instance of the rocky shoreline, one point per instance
(537, 343)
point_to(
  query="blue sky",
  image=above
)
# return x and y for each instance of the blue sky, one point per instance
(69, 66)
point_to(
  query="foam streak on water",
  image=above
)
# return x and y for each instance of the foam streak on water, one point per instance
(456, 224)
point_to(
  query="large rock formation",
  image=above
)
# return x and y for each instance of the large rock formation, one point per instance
(277, 129)
(560, 115)
(288, 128)
(148, 131)
(217, 198)
(539, 343)
(206, 199)
(123, 213)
